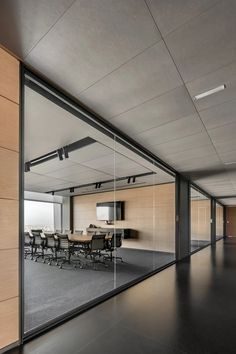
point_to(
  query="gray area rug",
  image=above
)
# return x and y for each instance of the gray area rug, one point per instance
(51, 292)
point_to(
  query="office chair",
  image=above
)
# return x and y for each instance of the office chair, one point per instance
(39, 246)
(51, 243)
(112, 245)
(95, 248)
(67, 247)
(28, 245)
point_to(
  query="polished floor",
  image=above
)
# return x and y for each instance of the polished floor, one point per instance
(188, 308)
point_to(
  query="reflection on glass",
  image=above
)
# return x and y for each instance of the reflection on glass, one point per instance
(105, 216)
(200, 220)
(219, 221)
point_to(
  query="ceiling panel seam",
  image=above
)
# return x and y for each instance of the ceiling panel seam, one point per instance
(192, 18)
(120, 66)
(186, 87)
(50, 28)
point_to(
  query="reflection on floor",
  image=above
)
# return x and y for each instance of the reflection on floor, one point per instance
(196, 244)
(50, 291)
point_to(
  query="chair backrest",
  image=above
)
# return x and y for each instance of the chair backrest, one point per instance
(116, 240)
(36, 232)
(28, 239)
(91, 232)
(51, 242)
(98, 242)
(64, 242)
(79, 232)
(38, 240)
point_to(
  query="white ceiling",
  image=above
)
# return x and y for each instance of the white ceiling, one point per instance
(138, 63)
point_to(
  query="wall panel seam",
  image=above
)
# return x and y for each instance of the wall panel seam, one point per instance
(10, 298)
(10, 100)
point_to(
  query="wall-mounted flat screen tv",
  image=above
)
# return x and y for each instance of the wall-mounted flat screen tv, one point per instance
(110, 211)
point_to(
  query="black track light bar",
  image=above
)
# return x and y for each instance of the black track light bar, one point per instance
(99, 184)
(59, 153)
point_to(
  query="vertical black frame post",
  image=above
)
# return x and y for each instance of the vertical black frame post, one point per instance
(21, 203)
(182, 241)
(72, 214)
(213, 220)
(225, 221)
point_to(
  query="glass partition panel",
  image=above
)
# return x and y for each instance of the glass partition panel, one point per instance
(105, 215)
(219, 221)
(200, 220)
(148, 223)
(66, 243)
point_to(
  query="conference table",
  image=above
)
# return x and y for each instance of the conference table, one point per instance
(84, 239)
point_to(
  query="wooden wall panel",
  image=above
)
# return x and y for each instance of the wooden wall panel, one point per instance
(9, 174)
(200, 220)
(231, 221)
(9, 321)
(9, 124)
(9, 199)
(9, 215)
(9, 74)
(219, 220)
(9, 277)
(148, 210)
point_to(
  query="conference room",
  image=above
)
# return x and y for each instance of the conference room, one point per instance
(98, 215)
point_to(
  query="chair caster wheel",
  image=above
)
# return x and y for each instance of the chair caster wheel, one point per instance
(49, 263)
(35, 260)
(60, 267)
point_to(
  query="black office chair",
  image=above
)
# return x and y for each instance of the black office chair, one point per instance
(112, 245)
(28, 245)
(51, 244)
(95, 248)
(66, 247)
(39, 245)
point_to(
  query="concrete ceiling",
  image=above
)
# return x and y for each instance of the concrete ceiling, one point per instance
(48, 127)
(138, 64)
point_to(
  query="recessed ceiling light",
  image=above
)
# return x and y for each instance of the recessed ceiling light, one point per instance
(209, 92)
(230, 163)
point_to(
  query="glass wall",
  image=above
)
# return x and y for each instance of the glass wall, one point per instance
(118, 213)
(200, 219)
(219, 221)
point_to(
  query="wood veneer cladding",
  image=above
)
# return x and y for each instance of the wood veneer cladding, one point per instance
(231, 221)
(149, 210)
(9, 174)
(200, 219)
(9, 220)
(9, 322)
(9, 286)
(219, 220)
(9, 196)
(9, 74)
(9, 124)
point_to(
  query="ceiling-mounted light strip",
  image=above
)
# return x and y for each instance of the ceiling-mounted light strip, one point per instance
(209, 92)
(230, 163)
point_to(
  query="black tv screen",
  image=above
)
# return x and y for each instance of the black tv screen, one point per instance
(110, 211)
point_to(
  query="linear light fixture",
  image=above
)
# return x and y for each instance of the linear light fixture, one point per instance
(230, 163)
(209, 92)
